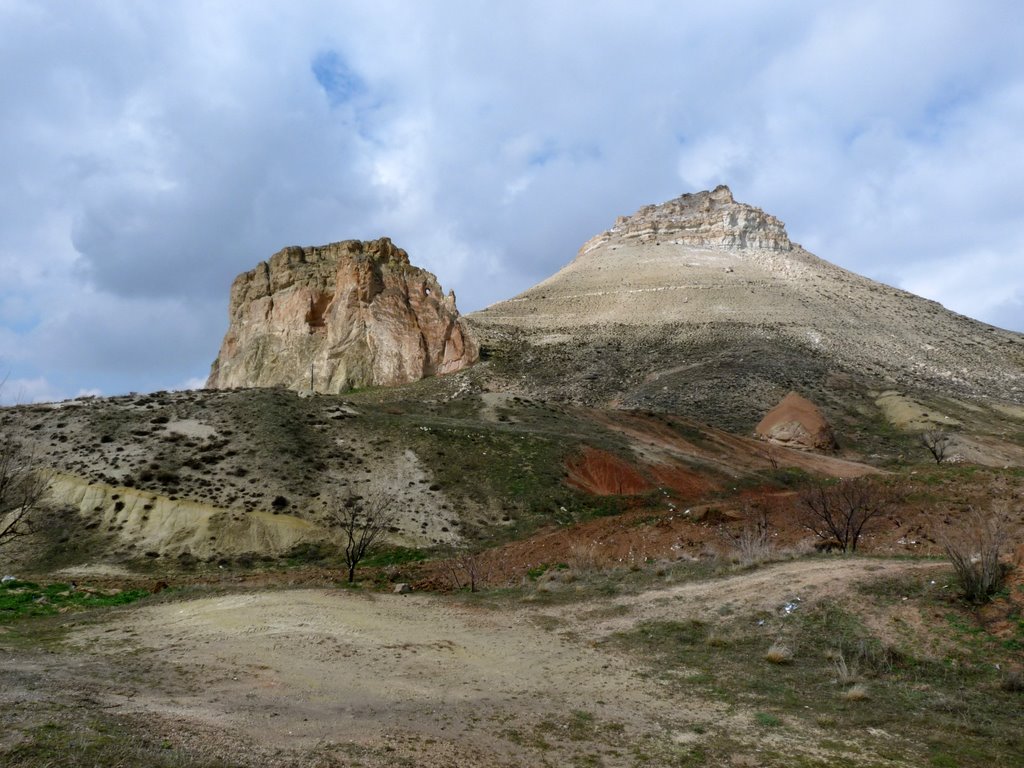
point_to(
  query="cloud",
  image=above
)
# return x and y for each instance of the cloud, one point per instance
(966, 281)
(151, 153)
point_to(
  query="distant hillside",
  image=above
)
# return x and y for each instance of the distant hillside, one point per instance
(704, 306)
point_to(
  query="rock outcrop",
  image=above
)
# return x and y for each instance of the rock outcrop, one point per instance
(340, 316)
(701, 220)
(796, 422)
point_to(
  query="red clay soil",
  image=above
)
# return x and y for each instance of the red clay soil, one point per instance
(684, 481)
(671, 531)
(604, 474)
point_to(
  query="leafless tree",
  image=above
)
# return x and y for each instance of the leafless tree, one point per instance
(467, 569)
(23, 490)
(363, 524)
(938, 443)
(840, 512)
(972, 546)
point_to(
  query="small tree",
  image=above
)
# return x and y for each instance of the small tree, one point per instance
(938, 443)
(23, 490)
(972, 547)
(363, 524)
(467, 569)
(841, 512)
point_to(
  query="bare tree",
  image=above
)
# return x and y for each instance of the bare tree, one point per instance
(938, 443)
(23, 490)
(363, 524)
(972, 546)
(840, 512)
(467, 569)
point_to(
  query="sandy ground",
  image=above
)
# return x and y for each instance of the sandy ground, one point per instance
(383, 679)
(296, 668)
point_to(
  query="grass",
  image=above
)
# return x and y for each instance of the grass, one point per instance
(20, 599)
(779, 653)
(394, 556)
(952, 707)
(101, 741)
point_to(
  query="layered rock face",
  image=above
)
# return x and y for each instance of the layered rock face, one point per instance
(702, 220)
(340, 316)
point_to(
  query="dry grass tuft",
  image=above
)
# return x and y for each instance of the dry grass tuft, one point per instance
(583, 558)
(858, 692)
(846, 673)
(779, 653)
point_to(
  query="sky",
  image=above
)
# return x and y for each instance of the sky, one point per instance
(152, 150)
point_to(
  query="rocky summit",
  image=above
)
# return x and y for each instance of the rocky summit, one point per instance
(703, 305)
(336, 317)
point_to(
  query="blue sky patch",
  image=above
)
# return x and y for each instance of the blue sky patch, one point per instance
(339, 81)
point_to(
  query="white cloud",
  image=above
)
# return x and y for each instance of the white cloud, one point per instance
(153, 152)
(25, 391)
(969, 283)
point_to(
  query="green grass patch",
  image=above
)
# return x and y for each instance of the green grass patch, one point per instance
(106, 742)
(20, 599)
(395, 556)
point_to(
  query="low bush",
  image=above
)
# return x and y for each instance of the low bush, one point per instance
(972, 547)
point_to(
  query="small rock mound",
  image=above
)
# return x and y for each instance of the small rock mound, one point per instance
(796, 422)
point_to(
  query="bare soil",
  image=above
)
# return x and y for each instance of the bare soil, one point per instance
(335, 677)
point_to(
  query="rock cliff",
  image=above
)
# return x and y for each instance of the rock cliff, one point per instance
(339, 316)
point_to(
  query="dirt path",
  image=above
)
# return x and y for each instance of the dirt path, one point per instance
(772, 589)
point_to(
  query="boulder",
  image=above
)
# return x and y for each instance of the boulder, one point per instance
(796, 422)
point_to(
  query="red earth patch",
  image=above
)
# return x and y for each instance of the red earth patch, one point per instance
(604, 474)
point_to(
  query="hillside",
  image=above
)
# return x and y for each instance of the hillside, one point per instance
(704, 306)
(608, 568)
(631, 379)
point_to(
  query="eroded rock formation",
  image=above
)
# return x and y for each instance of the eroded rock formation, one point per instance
(796, 422)
(339, 316)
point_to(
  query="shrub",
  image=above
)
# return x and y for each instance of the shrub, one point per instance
(1013, 681)
(754, 545)
(839, 513)
(972, 547)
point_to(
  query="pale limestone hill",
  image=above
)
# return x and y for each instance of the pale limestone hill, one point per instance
(704, 306)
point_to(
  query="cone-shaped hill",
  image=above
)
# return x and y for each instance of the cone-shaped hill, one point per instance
(703, 305)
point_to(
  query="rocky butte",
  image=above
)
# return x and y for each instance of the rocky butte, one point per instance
(337, 317)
